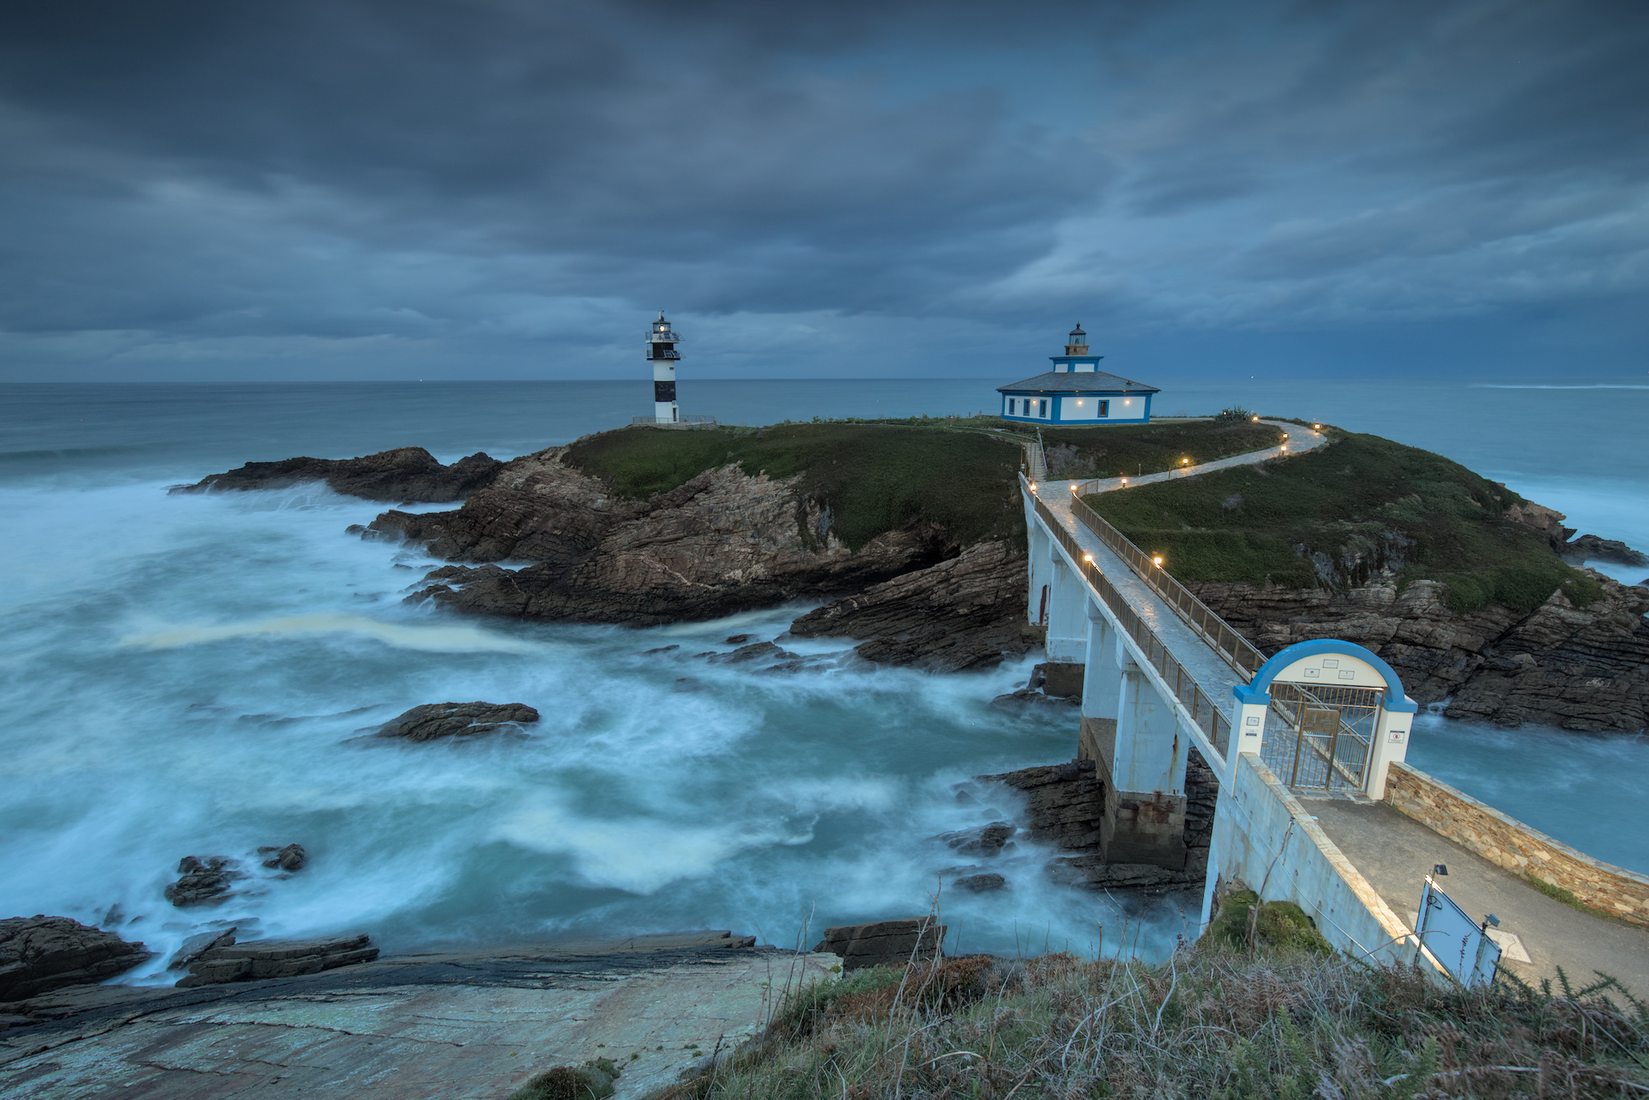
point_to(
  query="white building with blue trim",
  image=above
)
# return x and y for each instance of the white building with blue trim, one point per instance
(1076, 391)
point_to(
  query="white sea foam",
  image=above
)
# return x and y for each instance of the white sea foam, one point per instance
(445, 637)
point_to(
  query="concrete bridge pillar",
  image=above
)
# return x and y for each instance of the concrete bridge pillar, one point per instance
(1144, 774)
(1067, 639)
(1101, 689)
(1039, 592)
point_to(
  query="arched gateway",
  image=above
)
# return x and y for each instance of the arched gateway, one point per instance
(1326, 715)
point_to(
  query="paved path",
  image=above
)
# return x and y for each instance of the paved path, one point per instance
(1394, 853)
(1300, 440)
(453, 1026)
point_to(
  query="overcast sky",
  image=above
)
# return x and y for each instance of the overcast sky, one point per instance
(228, 189)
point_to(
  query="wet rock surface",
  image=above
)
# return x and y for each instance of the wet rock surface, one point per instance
(39, 954)
(434, 721)
(258, 959)
(406, 473)
(884, 943)
(203, 880)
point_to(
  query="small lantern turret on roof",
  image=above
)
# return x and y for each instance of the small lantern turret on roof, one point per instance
(1077, 342)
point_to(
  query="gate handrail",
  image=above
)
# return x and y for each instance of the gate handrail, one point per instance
(1213, 722)
(1226, 640)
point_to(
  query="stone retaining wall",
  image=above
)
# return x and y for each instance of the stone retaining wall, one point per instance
(1507, 842)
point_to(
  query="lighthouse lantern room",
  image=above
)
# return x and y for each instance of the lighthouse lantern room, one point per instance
(662, 353)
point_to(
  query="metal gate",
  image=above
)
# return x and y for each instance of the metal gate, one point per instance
(1320, 736)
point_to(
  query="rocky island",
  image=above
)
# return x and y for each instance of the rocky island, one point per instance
(908, 535)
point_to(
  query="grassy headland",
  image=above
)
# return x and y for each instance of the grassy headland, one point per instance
(881, 475)
(1364, 502)
(1257, 1007)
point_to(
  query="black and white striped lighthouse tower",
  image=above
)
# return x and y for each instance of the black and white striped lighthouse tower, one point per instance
(662, 353)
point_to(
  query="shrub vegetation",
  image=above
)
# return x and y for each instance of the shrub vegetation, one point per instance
(1361, 499)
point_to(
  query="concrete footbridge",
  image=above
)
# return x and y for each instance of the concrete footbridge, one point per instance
(1316, 804)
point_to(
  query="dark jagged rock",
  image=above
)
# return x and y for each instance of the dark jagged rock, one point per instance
(41, 953)
(1065, 802)
(433, 721)
(884, 943)
(723, 542)
(1063, 690)
(1577, 668)
(966, 612)
(1592, 548)
(256, 959)
(406, 473)
(981, 883)
(202, 880)
(290, 857)
(1065, 805)
(986, 841)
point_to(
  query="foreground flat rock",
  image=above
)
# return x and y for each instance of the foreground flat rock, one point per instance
(455, 1026)
(433, 721)
(406, 473)
(39, 954)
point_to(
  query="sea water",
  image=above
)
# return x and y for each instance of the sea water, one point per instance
(200, 674)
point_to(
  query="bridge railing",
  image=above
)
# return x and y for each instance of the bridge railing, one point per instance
(1208, 716)
(1236, 650)
(1036, 463)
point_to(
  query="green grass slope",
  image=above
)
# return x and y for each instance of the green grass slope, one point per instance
(881, 475)
(1364, 501)
(874, 477)
(1270, 1020)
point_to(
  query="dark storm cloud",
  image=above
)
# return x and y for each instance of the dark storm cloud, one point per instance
(480, 180)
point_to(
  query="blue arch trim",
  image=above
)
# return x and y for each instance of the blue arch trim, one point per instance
(1259, 691)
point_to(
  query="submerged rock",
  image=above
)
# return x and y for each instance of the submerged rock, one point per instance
(406, 473)
(291, 857)
(202, 880)
(986, 841)
(255, 959)
(41, 953)
(433, 721)
(750, 654)
(984, 882)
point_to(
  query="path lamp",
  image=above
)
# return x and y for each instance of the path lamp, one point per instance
(1033, 488)
(1185, 462)
(1125, 482)
(1156, 560)
(1316, 427)
(1255, 419)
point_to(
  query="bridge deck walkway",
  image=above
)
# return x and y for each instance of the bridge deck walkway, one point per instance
(1394, 853)
(1213, 675)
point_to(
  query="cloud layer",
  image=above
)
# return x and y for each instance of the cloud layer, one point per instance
(398, 188)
